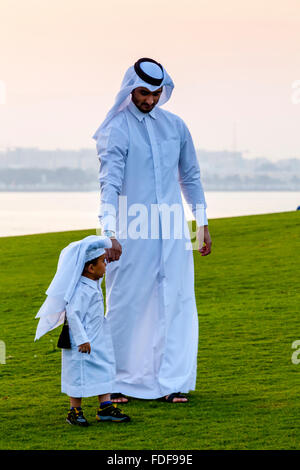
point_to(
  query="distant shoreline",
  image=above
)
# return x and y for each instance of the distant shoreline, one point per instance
(75, 190)
(27, 212)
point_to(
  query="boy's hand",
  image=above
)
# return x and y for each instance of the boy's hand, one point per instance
(84, 348)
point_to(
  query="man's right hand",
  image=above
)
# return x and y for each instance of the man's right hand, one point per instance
(114, 253)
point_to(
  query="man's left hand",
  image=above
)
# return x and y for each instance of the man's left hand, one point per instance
(203, 236)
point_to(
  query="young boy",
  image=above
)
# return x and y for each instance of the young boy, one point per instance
(88, 367)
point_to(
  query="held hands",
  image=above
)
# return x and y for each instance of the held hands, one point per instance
(85, 348)
(203, 236)
(114, 253)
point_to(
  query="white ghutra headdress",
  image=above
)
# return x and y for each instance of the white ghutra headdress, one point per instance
(69, 270)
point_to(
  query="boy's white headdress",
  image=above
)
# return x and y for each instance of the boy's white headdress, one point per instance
(69, 269)
(145, 73)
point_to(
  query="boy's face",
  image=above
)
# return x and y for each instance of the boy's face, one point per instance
(98, 270)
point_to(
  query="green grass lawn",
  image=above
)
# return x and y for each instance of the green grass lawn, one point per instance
(247, 393)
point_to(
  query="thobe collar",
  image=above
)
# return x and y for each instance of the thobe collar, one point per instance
(90, 282)
(138, 114)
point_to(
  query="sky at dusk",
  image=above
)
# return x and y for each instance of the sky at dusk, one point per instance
(233, 63)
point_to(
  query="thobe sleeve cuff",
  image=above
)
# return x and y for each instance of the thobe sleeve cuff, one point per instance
(108, 223)
(200, 216)
(77, 329)
(80, 338)
(107, 217)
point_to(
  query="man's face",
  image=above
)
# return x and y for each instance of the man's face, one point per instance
(144, 99)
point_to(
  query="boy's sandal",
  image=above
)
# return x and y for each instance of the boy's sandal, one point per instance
(171, 397)
(114, 396)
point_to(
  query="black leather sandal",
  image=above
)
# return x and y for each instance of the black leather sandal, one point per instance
(172, 396)
(114, 396)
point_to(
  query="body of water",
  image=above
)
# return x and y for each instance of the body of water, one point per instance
(24, 213)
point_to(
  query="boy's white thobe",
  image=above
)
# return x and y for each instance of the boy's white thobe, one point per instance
(151, 304)
(83, 374)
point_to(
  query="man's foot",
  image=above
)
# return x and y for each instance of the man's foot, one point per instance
(111, 413)
(75, 416)
(118, 398)
(174, 398)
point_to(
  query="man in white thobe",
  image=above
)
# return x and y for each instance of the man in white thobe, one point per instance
(147, 158)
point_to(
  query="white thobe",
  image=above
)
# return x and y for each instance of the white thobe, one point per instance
(83, 374)
(151, 308)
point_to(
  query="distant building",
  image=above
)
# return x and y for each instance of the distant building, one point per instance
(25, 168)
(83, 159)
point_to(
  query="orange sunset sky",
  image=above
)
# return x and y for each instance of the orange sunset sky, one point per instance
(233, 63)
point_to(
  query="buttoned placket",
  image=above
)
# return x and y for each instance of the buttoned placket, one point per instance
(158, 190)
(155, 154)
(94, 284)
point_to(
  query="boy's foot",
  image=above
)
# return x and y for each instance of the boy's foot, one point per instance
(75, 416)
(111, 413)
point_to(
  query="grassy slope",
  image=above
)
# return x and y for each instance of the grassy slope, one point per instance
(248, 389)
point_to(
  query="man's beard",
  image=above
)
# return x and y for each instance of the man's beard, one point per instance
(146, 109)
